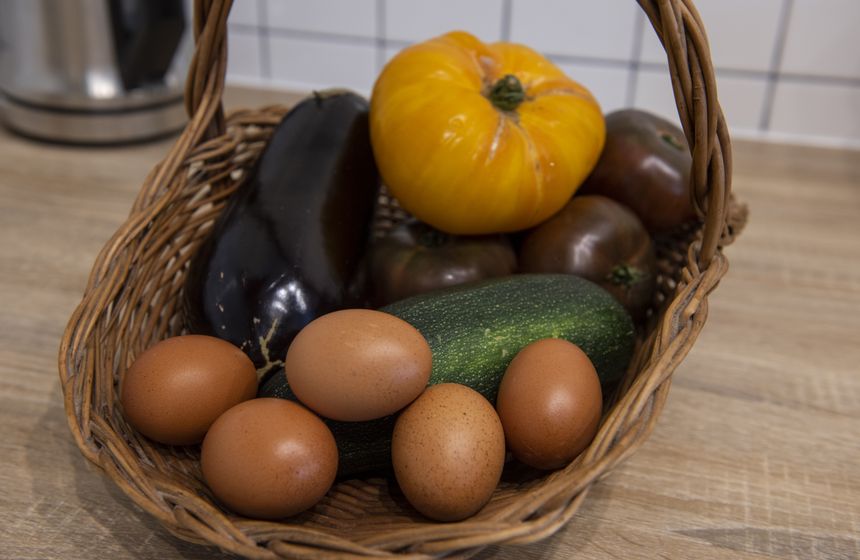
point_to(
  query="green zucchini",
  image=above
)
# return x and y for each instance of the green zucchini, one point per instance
(475, 330)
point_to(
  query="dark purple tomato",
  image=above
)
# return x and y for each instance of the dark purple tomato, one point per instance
(600, 240)
(645, 165)
(415, 258)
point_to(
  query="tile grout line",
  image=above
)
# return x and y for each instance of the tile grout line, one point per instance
(818, 79)
(594, 61)
(381, 32)
(635, 61)
(309, 35)
(507, 16)
(265, 54)
(773, 75)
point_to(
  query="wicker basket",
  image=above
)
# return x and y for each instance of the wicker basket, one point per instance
(132, 300)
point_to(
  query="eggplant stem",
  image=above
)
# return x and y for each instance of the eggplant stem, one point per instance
(264, 349)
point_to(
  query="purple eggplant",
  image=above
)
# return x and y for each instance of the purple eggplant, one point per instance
(291, 244)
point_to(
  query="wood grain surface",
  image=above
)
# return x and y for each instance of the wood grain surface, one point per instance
(756, 456)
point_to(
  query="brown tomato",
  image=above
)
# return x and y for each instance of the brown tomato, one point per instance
(598, 239)
(415, 258)
(645, 165)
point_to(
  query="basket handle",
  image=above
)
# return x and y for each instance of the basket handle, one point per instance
(204, 85)
(680, 30)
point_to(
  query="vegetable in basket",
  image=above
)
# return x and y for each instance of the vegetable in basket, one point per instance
(474, 332)
(645, 165)
(478, 138)
(598, 239)
(290, 246)
(415, 258)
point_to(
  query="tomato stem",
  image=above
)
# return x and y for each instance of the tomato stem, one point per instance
(507, 93)
(430, 237)
(625, 275)
(670, 139)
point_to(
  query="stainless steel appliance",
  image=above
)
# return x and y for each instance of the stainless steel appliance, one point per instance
(93, 71)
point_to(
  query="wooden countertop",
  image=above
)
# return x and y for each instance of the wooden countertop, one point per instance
(757, 454)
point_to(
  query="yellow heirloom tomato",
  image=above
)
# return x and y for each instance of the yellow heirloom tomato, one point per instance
(480, 138)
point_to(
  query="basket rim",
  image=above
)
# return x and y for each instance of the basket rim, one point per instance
(540, 513)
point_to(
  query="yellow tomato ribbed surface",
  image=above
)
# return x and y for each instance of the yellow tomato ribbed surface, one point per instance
(460, 163)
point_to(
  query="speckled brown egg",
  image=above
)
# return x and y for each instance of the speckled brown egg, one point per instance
(448, 451)
(549, 402)
(358, 364)
(269, 458)
(175, 389)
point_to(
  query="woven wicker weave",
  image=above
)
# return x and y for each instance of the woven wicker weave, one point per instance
(132, 300)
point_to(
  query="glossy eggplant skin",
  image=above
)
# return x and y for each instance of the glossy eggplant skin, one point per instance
(290, 245)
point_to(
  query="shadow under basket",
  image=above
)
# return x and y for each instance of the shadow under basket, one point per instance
(132, 300)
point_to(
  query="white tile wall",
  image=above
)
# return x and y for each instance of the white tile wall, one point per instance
(245, 12)
(742, 99)
(243, 53)
(608, 84)
(785, 68)
(817, 110)
(654, 93)
(343, 17)
(749, 36)
(389, 53)
(822, 38)
(310, 64)
(416, 20)
(580, 28)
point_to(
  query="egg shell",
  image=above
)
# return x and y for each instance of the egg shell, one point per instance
(550, 403)
(175, 389)
(269, 458)
(448, 452)
(358, 364)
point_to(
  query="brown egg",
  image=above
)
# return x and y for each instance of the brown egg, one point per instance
(358, 364)
(175, 389)
(269, 458)
(550, 403)
(448, 451)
